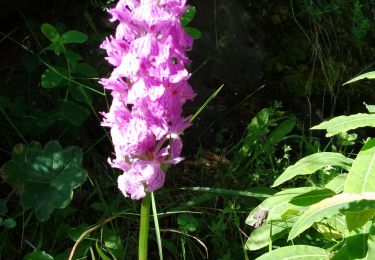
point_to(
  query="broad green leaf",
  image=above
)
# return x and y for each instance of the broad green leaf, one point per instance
(329, 207)
(9, 223)
(276, 205)
(74, 113)
(80, 94)
(312, 197)
(112, 242)
(362, 173)
(52, 173)
(356, 220)
(332, 228)
(370, 108)
(86, 70)
(193, 32)
(345, 123)
(356, 242)
(187, 222)
(368, 75)
(311, 164)
(279, 133)
(337, 183)
(38, 255)
(51, 78)
(302, 252)
(76, 232)
(73, 58)
(371, 243)
(73, 36)
(256, 193)
(260, 237)
(188, 16)
(50, 32)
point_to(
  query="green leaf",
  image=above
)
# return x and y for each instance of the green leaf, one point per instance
(371, 243)
(51, 78)
(277, 205)
(3, 207)
(193, 32)
(362, 173)
(38, 255)
(73, 36)
(74, 113)
(52, 173)
(326, 208)
(312, 197)
(255, 129)
(356, 242)
(188, 16)
(187, 222)
(112, 242)
(344, 123)
(73, 58)
(279, 133)
(76, 232)
(368, 75)
(370, 108)
(356, 220)
(260, 237)
(337, 183)
(50, 32)
(9, 223)
(311, 164)
(302, 252)
(86, 70)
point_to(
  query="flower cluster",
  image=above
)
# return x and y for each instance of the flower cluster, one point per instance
(149, 87)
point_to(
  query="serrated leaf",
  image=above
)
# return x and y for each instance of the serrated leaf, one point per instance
(51, 78)
(38, 255)
(188, 16)
(50, 32)
(326, 208)
(73, 36)
(311, 164)
(368, 75)
(260, 237)
(302, 252)
(53, 174)
(345, 123)
(362, 173)
(74, 113)
(193, 32)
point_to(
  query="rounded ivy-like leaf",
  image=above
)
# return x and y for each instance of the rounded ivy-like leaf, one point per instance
(53, 174)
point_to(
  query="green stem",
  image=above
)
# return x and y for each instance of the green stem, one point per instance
(143, 232)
